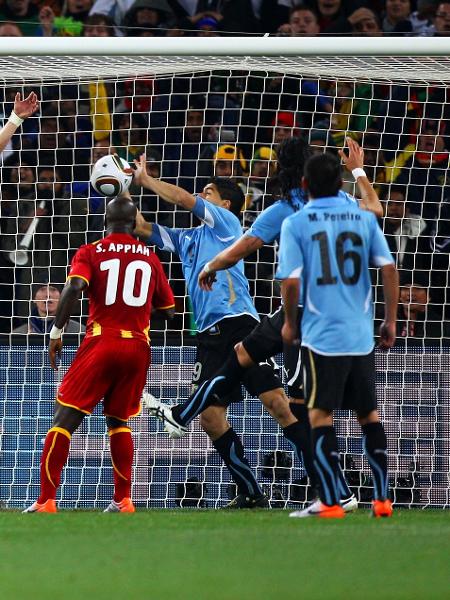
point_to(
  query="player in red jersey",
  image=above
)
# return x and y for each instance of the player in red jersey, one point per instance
(123, 279)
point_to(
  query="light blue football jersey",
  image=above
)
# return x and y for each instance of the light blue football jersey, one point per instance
(267, 225)
(329, 245)
(195, 246)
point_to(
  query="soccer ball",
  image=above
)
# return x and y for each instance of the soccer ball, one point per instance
(111, 175)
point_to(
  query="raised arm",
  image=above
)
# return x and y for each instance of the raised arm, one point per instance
(389, 275)
(69, 297)
(355, 160)
(22, 109)
(167, 191)
(245, 245)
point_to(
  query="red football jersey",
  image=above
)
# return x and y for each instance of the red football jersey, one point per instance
(125, 280)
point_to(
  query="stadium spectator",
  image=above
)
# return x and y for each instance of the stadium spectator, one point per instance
(22, 12)
(147, 16)
(116, 9)
(130, 135)
(284, 126)
(334, 14)
(207, 26)
(441, 20)
(274, 13)
(403, 231)
(421, 19)
(397, 17)
(98, 25)
(232, 15)
(10, 29)
(43, 311)
(364, 22)
(418, 318)
(318, 140)
(302, 21)
(229, 162)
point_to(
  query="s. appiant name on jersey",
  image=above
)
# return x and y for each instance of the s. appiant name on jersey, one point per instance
(131, 248)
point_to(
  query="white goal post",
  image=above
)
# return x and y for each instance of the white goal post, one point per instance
(386, 92)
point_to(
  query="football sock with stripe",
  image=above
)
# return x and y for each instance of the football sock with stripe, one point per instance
(326, 461)
(299, 435)
(231, 450)
(209, 391)
(122, 449)
(53, 458)
(375, 448)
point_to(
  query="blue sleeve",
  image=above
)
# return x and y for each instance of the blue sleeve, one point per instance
(165, 238)
(348, 197)
(220, 219)
(290, 257)
(380, 255)
(267, 226)
(311, 88)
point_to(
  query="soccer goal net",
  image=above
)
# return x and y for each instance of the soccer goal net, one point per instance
(198, 109)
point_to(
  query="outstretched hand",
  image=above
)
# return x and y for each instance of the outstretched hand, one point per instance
(26, 107)
(355, 157)
(140, 172)
(54, 351)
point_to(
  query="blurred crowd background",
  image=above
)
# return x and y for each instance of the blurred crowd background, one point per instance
(221, 17)
(222, 124)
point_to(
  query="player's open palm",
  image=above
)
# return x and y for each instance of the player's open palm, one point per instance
(26, 107)
(387, 334)
(140, 172)
(54, 352)
(355, 157)
(206, 280)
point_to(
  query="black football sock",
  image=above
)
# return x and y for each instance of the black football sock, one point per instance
(326, 461)
(375, 447)
(231, 450)
(210, 391)
(299, 435)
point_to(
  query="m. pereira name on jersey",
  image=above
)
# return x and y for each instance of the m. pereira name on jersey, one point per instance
(112, 247)
(347, 216)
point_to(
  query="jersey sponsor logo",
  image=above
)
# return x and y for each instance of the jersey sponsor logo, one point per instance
(126, 248)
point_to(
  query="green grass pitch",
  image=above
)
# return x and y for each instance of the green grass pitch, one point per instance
(217, 555)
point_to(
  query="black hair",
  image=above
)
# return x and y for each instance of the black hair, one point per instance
(229, 190)
(292, 155)
(323, 175)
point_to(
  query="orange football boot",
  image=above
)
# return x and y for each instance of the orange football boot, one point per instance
(49, 506)
(382, 508)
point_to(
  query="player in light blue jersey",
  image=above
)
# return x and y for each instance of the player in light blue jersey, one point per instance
(223, 318)
(326, 248)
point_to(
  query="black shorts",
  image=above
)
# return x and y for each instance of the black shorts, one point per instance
(265, 341)
(215, 345)
(332, 382)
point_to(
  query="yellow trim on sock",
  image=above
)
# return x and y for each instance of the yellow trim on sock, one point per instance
(61, 430)
(48, 458)
(117, 470)
(118, 430)
(86, 412)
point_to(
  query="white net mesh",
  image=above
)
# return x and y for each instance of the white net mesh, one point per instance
(181, 112)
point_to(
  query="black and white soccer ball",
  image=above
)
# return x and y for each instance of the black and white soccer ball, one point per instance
(111, 175)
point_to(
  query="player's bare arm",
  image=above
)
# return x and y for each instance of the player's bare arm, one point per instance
(143, 229)
(355, 160)
(391, 292)
(22, 109)
(167, 191)
(69, 297)
(290, 294)
(245, 245)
